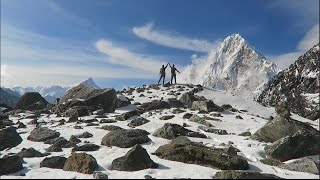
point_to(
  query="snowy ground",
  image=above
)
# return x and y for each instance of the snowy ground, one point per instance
(167, 169)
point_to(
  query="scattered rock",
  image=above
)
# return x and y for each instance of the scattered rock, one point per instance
(138, 122)
(127, 115)
(211, 119)
(107, 121)
(197, 119)
(271, 162)
(21, 125)
(187, 116)
(302, 143)
(302, 165)
(175, 103)
(177, 111)
(31, 101)
(183, 150)
(84, 135)
(111, 128)
(171, 131)
(86, 147)
(136, 159)
(29, 153)
(216, 115)
(54, 162)
(247, 133)
(74, 139)
(10, 164)
(207, 106)
(188, 99)
(231, 174)
(215, 131)
(9, 138)
(154, 105)
(167, 117)
(81, 162)
(100, 175)
(54, 140)
(42, 134)
(125, 138)
(239, 117)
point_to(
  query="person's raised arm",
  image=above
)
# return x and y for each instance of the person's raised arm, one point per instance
(169, 65)
(178, 70)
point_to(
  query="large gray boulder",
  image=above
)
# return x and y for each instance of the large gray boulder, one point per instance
(127, 115)
(154, 105)
(302, 143)
(125, 138)
(171, 131)
(30, 153)
(186, 151)
(9, 138)
(188, 98)
(302, 165)
(207, 106)
(31, 101)
(136, 159)
(81, 162)
(10, 165)
(232, 174)
(42, 134)
(281, 127)
(175, 103)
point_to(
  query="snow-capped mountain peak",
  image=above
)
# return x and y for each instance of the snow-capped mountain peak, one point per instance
(234, 66)
(89, 82)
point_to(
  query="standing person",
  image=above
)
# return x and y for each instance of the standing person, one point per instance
(173, 73)
(163, 73)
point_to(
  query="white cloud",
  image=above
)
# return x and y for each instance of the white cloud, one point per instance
(173, 40)
(122, 56)
(311, 38)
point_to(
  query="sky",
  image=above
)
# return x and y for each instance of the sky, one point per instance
(123, 43)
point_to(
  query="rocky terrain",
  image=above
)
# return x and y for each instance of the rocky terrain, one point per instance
(170, 131)
(299, 86)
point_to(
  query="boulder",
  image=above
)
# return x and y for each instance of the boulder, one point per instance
(107, 121)
(86, 147)
(10, 164)
(167, 117)
(186, 151)
(247, 133)
(127, 115)
(281, 127)
(125, 138)
(54, 162)
(215, 131)
(31, 101)
(188, 98)
(122, 101)
(134, 160)
(74, 139)
(171, 131)
(154, 105)
(283, 110)
(29, 153)
(138, 122)
(81, 162)
(231, 174)
(302, 165)
(78, 111)
(187, 116)
(111, 128)
(52, 141)
(302, 143)
(42, 134)
(198, 119)
(84, 135)
(9, 138)
(207, 106)
(175, 103)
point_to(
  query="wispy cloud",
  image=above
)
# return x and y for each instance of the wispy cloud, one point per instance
(122, 56)
(311, 38)
(172, 40)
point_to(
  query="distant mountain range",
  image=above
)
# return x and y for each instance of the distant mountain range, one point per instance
(10, 96)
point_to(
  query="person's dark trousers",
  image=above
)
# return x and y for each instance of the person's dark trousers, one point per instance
(175, 79)
(162, 76)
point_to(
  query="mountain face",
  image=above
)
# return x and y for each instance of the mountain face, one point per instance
(8, 97)
(234, 67)
(90, 83)
(298, 85)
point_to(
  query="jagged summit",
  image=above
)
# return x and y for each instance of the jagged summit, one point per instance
(235, 66)
(89, 82)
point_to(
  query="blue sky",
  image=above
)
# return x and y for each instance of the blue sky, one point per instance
(123, 43)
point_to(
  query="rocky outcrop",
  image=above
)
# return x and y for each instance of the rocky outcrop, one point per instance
(81, 162)
(231, 174)
(134, 160)
(298, 85)
(9, 138)
(42, 134)
(31, 101)
(302, 143)
(125, 138)
(186, 151)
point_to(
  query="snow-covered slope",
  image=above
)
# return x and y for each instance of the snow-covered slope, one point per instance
(235, 67)
(252, 150)
(299, 85)
(89, 82)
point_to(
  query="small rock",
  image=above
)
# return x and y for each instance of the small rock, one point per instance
(54, 162)
(100, 175)
(167, 117)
